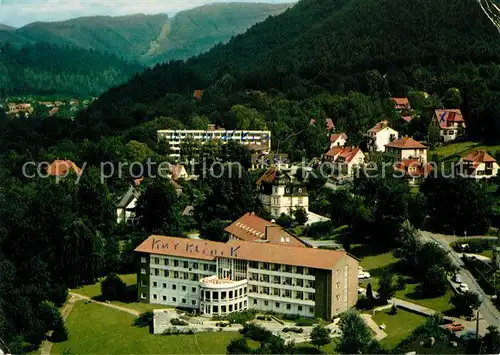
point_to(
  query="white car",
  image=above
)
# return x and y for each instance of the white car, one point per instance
(457, 279)
(363, 275)
(463, 287)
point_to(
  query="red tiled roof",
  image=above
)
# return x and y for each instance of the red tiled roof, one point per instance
(197, 94)
(235, 249)
(62, 167)
(407, 118)
(448, 115)
(268, 176)
(479, 156)
(328, 123)
(401, 101)
(348, 153)
(413, 167)
(335, 136)
(406, 143)
(379, 126)
(252, 228)
(176, 170)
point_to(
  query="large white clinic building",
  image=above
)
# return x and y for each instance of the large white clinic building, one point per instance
(257, 140)
(219, 278)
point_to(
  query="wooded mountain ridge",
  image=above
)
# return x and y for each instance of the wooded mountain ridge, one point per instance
(148, 38)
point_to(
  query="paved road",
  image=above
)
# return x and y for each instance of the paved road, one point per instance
(489, 312)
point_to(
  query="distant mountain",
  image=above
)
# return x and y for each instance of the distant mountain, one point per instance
(125, 36)
(6, 28)
(148, 38)
(46, 69)
(195, 31)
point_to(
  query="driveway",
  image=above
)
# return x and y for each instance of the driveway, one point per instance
(488, 311)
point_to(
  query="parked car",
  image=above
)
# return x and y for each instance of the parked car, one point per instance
(455, 327)
(363, 275)
(463, 287)
(457, 278)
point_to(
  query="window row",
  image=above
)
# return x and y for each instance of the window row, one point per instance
(281, 280)
(223, 295)
(286, 306)
(183, 288)
(280, 267)
(183, 264)
(214, 309)
(179, 274)
(173, 299)
(299, 295)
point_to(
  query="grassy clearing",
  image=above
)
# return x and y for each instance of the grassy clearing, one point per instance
(96, 329)
(462, 148)
(94, 291)
(378, 263)
(398, 326)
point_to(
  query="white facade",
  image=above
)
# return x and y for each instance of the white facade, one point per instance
(449, 134)
(175, 137)
(481, 170)
(340, 141)
(127, 214)
(284, 200)
(381, 138)
(409, 153)
(202, 285)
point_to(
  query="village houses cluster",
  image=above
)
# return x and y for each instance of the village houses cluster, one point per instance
(263, 266)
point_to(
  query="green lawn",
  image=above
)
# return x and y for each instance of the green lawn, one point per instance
(463, 148)
(487, 253)
(377, 264)
(94, 291)
(398, 326)
(96, 329)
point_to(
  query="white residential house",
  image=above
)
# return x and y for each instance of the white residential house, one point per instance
(280, 193)
(478, 165)
(125, 209)
(346, 159)
(407, 148)
(380, 135)
(338, 139)
(451, 124)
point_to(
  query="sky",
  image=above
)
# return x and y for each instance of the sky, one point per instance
(18, 13)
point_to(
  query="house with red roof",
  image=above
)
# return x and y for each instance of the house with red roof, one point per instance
(407, 148)
(451, 123)
(329, 125)
(338, 139)
(401, 103)
(413, 170)
(345, 159)
(380, 135)
(478, 165)
(62, 168)
(252, 228)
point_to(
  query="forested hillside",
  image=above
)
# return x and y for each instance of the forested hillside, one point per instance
(42, 69)
(195, 31)
(148, 38)
(375, 47)
(124, 36)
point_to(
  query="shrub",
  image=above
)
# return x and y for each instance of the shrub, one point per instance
(241, 317)
(255, 332)
(364, 303)
(145, 319)
(304, 322)
(293, 329)
(222, 324)
(112, 287)
(177, 321)
(393, 310)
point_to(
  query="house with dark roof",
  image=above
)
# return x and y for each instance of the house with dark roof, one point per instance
(280, 193)
(252, 228)
(125, 208)
(451, 123)
(478, 165)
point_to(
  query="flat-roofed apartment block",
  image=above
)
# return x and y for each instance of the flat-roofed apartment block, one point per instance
(219, 278)
(257, 140)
